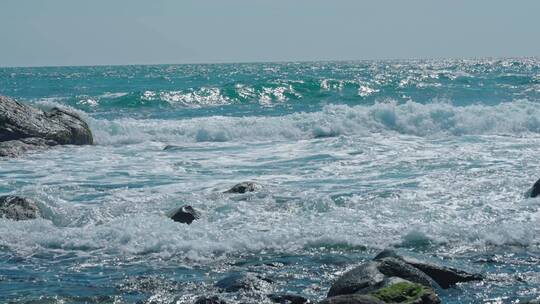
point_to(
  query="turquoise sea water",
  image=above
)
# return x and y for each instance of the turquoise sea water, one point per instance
(430, 157)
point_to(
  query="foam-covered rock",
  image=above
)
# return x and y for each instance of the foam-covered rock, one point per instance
(18, 208)
(244, 187)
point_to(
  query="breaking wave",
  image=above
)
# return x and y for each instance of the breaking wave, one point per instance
(411, 118)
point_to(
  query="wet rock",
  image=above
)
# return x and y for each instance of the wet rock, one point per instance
(20, 122)
(361, 279)
(374, 275)
(18, 208)
(243, 282)
(209, 300)
(444, 276)
(535, 190)
(244, 187)
(14, 148)
(185, 214)
(352, 299)
(288, 299)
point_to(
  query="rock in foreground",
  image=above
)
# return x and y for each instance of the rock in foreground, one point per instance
(24, 128)
(18, 208)
(374, 275)
(391, 278)
(446, 277)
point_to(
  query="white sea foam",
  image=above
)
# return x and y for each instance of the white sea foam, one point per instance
(411, 118)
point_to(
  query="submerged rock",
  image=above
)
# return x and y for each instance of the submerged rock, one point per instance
(13, 148)
(243, 282)
(24, 128)
(244, 187)
(185, 214)
(18, 208)
(444, 276)
(209, 300)
(288, 299)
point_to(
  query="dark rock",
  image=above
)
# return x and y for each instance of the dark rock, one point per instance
(13, 148)
(374, 275)
(185, 214)
(535, 190)
(352, 299)
(444, 276)
(19, 121)
(18, 208)
(243, 282)
(243, 187)
(387, 253)
(209, 300)
(392, 267)
(288, 299)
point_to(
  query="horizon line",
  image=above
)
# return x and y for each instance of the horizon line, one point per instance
(267, 62)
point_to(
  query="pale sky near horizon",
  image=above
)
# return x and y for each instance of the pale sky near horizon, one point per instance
(98, 32)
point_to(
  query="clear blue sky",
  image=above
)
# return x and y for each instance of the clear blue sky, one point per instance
(89, 32)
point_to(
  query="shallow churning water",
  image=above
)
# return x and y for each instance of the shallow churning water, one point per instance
(431, 157)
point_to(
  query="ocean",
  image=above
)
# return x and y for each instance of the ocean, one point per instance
(430, 157)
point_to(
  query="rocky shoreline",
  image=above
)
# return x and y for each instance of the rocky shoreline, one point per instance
(388, 278)
(24, 128)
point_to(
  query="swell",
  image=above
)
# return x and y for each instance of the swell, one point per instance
(411, 118)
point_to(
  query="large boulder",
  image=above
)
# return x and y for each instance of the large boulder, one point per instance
(34, 127)
(18, 208)
(185, 214)
(244, 187)
(444, 276)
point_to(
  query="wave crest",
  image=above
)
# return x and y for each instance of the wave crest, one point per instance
(411, 118)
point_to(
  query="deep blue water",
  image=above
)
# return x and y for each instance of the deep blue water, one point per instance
(431, 157)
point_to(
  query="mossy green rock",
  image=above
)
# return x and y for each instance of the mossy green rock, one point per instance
(407, 293)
